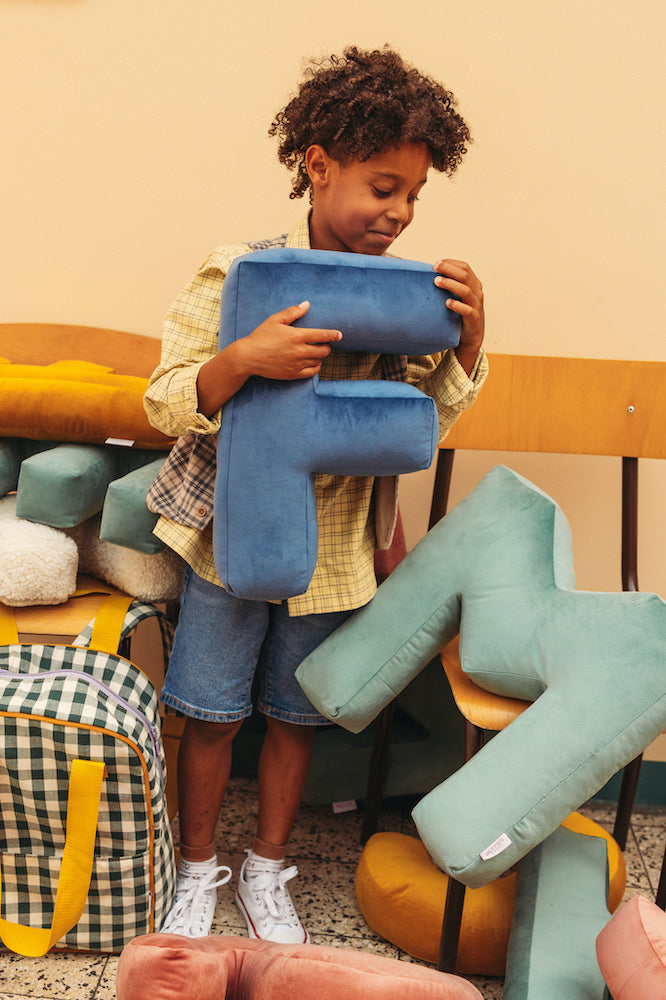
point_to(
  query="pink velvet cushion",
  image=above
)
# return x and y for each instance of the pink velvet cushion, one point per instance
(631, 950)
(170, 967)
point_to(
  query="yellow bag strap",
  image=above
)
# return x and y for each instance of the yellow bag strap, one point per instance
(107, 628)
(109, 622)
(8, 630)
(85, 789)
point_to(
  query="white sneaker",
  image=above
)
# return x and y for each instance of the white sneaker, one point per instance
(193, 908)
(263, 899)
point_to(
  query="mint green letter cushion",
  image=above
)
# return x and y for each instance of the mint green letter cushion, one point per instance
(498, 568)
(276, 435)
(559, 908)
(126, 519)
(10, 461)
(65, 485)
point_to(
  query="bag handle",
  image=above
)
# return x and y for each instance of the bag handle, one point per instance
(107, 629)
(109, 621)
(85, 789)
(8, 630)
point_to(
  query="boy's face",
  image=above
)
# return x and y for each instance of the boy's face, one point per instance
(362, 207)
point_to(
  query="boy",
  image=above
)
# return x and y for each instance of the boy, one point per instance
(361, 134)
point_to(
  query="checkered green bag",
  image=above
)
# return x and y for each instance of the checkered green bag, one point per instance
(86, 853)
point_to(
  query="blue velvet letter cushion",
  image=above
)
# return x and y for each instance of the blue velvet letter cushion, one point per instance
(499, 568)
(276, 435)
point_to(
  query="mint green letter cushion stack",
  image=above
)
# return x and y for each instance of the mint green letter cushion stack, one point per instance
(498, 568)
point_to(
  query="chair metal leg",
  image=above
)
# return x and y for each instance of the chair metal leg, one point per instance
(377, 773)
(630, 523)
(625, 802)
(451, 924)
(455, 894)
(474, 739)
(661, 889)
(627, 796)
(442, 484)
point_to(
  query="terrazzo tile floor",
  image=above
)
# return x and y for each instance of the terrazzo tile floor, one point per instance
(326, 847)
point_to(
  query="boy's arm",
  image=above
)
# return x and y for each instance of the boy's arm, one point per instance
(275, 349)
(194, 379)
(453, 390)
(190, 339)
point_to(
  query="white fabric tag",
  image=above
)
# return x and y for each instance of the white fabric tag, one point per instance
(496, 847)
(344, 807)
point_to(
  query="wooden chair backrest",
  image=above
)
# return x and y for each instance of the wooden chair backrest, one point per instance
(44, 343)
(569, 406)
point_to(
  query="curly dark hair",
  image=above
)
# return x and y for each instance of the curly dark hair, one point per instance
(367, 102)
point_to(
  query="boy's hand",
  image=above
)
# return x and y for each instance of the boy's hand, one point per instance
(458, 277)
(276, 349)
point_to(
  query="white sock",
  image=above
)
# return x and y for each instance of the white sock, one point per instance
(257, 863)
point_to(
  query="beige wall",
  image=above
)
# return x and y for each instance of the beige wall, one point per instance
(134, 140)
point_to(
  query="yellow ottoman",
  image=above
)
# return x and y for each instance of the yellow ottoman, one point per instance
(401, 894)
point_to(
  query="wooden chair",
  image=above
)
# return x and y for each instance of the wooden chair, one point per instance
(570, 406)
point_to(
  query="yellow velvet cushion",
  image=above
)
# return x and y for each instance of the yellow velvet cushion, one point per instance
(401, 894)
(74, 401)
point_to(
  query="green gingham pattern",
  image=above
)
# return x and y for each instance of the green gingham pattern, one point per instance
(58, 703)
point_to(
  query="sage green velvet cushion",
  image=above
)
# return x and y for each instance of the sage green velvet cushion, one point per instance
(126, 519)
(499, 568)
(559, 908)
(64, 485)
(10, 462)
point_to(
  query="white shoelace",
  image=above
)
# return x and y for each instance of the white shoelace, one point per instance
(270, 893)
(275, 895)
(194, 905)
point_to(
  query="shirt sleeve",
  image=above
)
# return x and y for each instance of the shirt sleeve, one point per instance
(453, 390)
(190, 338)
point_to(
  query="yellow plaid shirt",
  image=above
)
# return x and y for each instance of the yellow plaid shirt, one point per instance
(344, 575)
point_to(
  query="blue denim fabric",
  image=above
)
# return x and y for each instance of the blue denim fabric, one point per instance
(222, 641)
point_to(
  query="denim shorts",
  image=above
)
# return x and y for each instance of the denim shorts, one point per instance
(222, 642)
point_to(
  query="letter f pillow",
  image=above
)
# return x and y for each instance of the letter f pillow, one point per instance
(276, 435)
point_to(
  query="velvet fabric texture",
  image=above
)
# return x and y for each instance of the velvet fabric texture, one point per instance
(401, 894)
(65, 485)
(559, 908)
(74, 401)
(276, 435)
(631, 951)
(170, 967)
(499, 568)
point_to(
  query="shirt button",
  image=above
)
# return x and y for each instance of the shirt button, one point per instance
(201, 511)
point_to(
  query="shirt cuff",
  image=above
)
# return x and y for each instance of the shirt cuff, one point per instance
(451, 386)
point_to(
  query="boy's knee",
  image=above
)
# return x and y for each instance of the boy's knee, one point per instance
(211, 732)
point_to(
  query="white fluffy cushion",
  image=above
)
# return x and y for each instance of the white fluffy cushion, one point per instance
(153, 578)
(38, 564)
